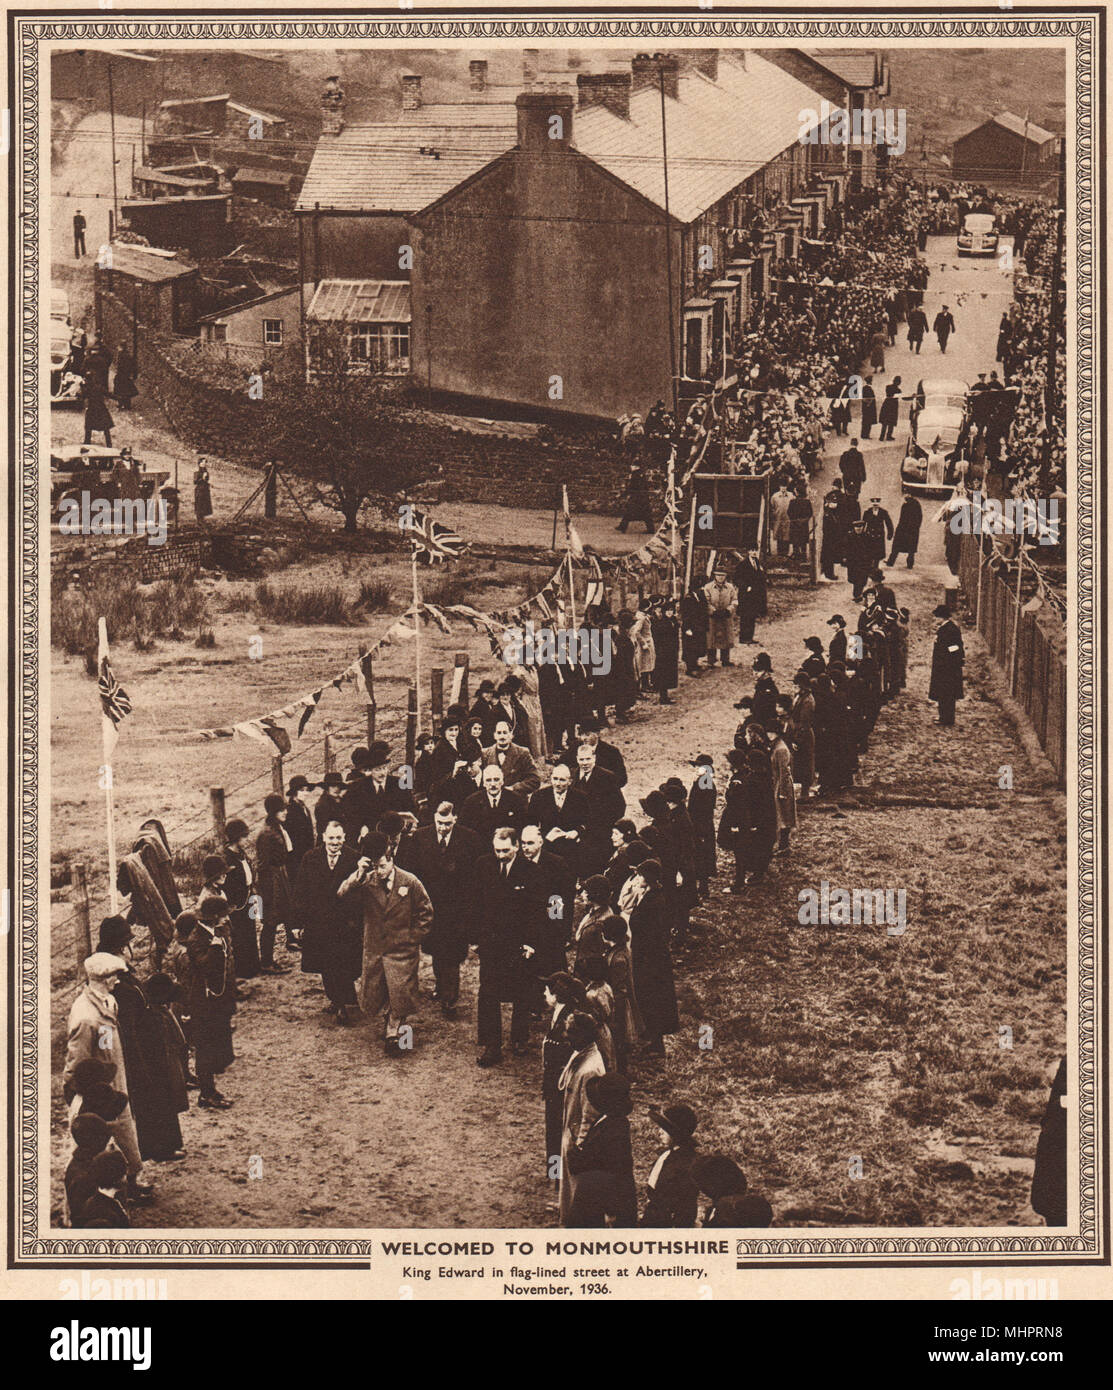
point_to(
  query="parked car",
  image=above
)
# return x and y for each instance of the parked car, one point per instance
(933, 461)
(100, 471)
(978, 235)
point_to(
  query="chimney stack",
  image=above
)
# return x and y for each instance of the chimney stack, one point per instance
(544, 121)
(645, 69)
(531, 60)
(478, 70)
(707, 62)
(609, 89)
(332, 107)
(411, 91)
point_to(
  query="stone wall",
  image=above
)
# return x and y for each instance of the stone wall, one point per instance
(500, 469)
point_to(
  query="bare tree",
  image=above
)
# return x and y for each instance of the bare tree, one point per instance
(340, 430)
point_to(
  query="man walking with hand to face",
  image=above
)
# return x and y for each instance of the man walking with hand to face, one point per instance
(397, 915)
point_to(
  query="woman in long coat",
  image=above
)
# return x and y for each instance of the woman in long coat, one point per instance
(602, 1163)
(560, 997)
(650, 923)
(878, 343)
(645, 656)
(202, 492)
(154, 1102)
(784, 794)
(748, 825)
(693, 629)
(211, 1002)
(272, 850)
(578, 1113)
(123, 383)
(666, 664)
(801, 731)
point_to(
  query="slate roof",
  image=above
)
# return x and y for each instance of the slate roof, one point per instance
(1007, 121)
(719, 133)
(855, 69)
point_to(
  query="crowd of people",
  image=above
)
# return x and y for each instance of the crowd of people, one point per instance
(512, 833)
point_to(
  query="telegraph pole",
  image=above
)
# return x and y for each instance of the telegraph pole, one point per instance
(674, 365)
(112, 128)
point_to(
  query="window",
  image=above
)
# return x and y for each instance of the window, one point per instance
(220, 332)
(272, 332)
(382, 347)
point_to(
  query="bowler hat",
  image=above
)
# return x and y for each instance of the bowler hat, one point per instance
(332, 779)
(679, 1120)
(114, 934)
(378, 754)
(702, 760)
(836, 621)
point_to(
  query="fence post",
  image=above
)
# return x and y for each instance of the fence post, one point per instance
(330, 756)
(83, 939)
(1016, 619)
(459, 692)
(411, 725)
(216, 801)
(276, 774)
(436, 695)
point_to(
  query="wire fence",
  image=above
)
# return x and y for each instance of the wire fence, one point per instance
(1026, 638)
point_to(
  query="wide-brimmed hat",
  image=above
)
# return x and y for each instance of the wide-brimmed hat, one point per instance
(673, 789)
(679, 1120)
(654, 804)
(299, 783)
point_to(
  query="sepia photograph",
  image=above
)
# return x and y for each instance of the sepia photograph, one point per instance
(562, 617)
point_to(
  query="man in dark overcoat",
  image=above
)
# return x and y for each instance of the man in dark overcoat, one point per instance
(947, 657)
(331, 932)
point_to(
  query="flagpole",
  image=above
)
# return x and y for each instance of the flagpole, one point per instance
(571, 587)
(106, 774)
(672, 515)
(417, 639)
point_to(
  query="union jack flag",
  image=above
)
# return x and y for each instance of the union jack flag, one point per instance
(432, 542)
(115, 702)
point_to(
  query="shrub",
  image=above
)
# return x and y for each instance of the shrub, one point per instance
(132, 611)
(374, 595)
(325, 604)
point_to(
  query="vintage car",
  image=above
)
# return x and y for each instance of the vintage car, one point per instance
(99, 471)
(948, 393)
(66, 387)
(978, 235)
(933, 461)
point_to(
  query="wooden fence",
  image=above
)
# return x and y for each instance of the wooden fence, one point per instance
(1028, 642)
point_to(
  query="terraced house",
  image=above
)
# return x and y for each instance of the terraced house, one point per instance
(573, 241)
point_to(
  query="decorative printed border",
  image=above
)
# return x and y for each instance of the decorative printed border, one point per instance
(29, 35)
